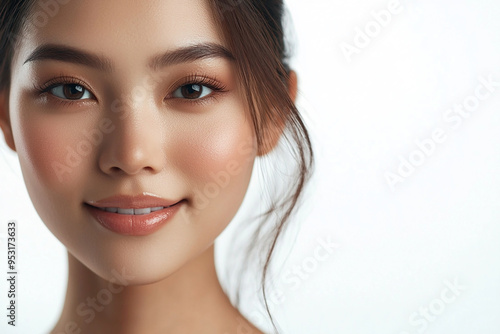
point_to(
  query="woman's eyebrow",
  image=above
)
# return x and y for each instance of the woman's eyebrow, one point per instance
(70, 55)
(184, 54)
(189, 54)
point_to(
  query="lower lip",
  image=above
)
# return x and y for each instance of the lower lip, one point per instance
(133, 224)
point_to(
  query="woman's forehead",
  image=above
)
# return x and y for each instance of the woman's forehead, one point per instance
(121, 29)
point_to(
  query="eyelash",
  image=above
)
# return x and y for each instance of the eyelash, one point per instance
(194, 79)
(213, 84)
(60, 81)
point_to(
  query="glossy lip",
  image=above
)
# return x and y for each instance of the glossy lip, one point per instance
(136, 225)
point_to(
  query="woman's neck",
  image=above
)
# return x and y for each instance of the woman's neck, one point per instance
(189, 301)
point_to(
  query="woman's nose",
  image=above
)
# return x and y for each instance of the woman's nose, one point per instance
(135, 145)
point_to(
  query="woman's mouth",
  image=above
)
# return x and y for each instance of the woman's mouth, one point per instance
(133, 215)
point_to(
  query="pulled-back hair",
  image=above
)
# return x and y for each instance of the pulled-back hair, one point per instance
(254, 31)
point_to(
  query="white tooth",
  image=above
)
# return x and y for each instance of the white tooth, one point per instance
(156, 208)
(103, 209)
(126, 211)
(142, 211)
(112, 209)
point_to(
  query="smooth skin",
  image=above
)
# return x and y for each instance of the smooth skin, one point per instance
(152, 139)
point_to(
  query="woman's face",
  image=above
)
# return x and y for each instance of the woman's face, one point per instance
(124, 98)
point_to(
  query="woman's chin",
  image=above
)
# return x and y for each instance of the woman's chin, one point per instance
(127, 271)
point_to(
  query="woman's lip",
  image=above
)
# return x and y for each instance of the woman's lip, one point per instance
(136, 225)
(144, 200)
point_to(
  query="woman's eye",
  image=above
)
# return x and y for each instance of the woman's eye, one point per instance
(192, 92)
(71, 92)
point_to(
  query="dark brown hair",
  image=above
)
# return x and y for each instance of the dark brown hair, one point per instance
(253, 30)
(12, 17)
(255, 34)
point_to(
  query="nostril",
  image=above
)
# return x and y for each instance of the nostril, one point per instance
(115, 170)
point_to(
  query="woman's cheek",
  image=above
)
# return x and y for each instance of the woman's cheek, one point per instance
(216, 157)
(52, 149)
(41, 142)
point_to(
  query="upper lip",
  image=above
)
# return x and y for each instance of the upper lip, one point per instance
(132, 201)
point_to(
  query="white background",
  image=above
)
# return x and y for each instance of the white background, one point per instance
(397, 248)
